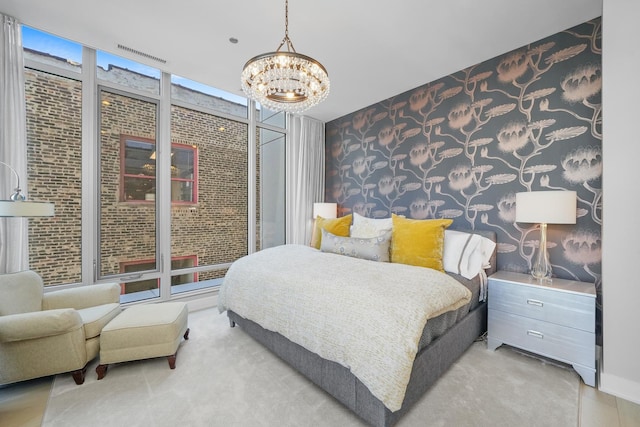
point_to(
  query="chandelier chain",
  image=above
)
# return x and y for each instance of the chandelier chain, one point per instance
(286, 38)
(286, 18)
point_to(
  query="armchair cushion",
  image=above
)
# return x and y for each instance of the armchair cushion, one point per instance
(96, 318)
(25, 288)
(38, 324)
(82, 297)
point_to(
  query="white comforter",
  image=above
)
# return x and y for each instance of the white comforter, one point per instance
(367, 316)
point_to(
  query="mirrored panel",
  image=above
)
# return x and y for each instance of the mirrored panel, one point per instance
(269, 117)
(272, 188)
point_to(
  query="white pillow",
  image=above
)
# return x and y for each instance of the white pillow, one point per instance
(466, 254)
(487, 247)
(364, 227)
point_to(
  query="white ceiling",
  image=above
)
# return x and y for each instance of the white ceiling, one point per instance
(372, 49)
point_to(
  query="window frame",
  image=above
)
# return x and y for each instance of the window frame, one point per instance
(151, 262)
(87, 74)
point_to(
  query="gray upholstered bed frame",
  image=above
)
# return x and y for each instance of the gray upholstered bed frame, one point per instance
(430, 363)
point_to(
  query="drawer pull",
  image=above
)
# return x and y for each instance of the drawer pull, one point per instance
(535, 334)
(535, 302)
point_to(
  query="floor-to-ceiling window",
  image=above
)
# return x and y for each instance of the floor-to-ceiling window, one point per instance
(271, 189)
(155, 193)
(215, 229)
(270, 177)
(54, 159)
(128, 246)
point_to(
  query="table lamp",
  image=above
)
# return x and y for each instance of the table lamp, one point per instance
(545, 207)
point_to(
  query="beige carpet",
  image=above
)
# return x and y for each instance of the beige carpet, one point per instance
(224, 378)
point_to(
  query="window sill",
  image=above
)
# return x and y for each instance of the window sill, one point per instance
(152, 204)
(175, 290)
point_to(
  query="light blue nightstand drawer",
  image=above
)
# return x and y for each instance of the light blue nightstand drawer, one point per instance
(546, 339)
(566, 309)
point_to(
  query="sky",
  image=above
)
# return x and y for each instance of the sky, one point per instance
(56, 46)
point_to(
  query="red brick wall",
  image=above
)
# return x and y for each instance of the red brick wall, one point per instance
(214, 229)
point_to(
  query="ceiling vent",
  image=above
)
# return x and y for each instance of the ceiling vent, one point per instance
(145, 55)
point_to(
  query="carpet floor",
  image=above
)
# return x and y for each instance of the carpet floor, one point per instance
(224, 378)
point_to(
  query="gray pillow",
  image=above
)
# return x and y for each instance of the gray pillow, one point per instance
(372, 248)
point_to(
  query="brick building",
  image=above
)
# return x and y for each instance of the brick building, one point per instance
(209, 183)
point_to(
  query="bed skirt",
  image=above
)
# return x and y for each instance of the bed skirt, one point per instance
(429, 365)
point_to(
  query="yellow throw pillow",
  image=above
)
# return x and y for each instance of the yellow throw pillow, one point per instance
(338, 226)
(418, 241)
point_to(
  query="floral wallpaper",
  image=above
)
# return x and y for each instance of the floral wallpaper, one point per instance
(462, 146)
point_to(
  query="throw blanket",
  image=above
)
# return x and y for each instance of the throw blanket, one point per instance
(368, 316)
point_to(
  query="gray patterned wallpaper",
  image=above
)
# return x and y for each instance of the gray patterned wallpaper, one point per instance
(462, 146)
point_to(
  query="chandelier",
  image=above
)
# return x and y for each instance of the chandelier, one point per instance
(285, 80)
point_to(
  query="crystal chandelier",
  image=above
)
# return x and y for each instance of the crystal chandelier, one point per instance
(285, 80)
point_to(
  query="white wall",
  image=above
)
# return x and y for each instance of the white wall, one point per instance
(620, 373)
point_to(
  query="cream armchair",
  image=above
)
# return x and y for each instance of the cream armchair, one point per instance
(51, 333)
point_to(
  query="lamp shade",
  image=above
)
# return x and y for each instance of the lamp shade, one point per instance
(17, 205)
(549, 207)
(25, 208)
(325, 210)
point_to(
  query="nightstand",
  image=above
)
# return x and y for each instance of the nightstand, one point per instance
(553, 319)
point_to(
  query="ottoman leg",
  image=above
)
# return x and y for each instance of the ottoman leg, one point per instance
(172, 360)
(101, 370)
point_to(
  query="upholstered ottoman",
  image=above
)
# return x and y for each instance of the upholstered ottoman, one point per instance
(143, 332)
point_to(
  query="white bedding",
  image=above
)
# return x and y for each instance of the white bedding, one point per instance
(368, 316)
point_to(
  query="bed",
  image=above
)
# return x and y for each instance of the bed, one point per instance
(318, 346)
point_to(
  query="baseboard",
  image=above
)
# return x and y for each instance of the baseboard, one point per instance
(620, 387)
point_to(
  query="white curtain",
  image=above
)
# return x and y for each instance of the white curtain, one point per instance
(305, 176)
(14, 249)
